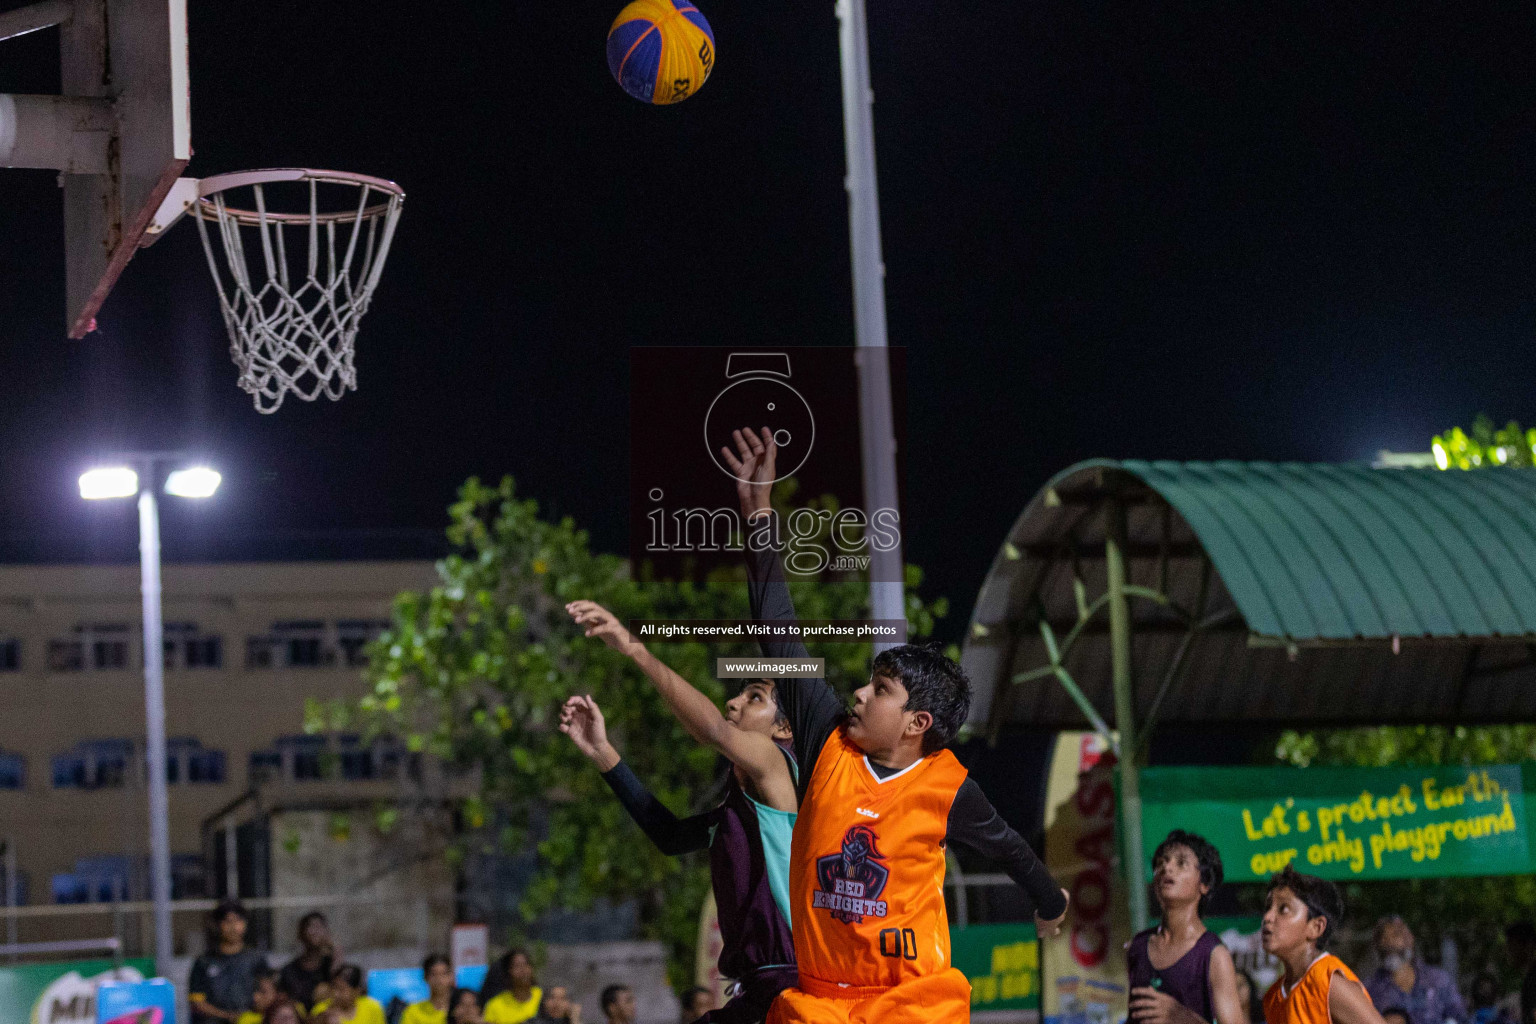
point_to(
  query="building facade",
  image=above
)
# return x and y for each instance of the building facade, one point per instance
(246, 645)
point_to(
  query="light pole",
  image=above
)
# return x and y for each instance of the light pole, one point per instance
(123, 481)
(876, 424)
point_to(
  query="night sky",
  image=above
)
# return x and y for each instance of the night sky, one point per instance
(1255, 231)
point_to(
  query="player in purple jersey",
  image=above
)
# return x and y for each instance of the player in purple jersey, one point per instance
(747, 835)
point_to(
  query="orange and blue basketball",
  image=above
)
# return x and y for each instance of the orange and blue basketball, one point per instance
(661, 51)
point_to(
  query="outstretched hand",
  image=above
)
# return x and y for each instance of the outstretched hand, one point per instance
(600, 622)
(582, 720)
(753, 466)
(1050, 929)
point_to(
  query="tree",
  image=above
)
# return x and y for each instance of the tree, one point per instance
(1473, 911)
(1485, 446)
(473, 672)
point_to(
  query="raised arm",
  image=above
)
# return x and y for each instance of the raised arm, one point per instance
(757, 755)
(811, 706)
(582, 720)
(1222, 973)
(974, 822)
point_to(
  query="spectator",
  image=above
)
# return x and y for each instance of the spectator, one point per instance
(618, 1003)
(1520, 940)
(304, 978)
(556, 1007)
(466, 1007)
(1404, 981)
(282, 1011)
(223, 979)
(696, 1003)
(1179, 972)
(433, 1009)
(520, 1001)
(349, 1002)
(263, 998)
(1485, 1001)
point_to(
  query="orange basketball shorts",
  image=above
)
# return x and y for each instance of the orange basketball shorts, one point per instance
(942, 998)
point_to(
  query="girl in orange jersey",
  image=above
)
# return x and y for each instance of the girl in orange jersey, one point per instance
(1301, 912)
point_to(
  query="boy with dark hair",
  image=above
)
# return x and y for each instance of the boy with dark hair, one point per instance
(223, 979)
(1179, 971)
(880, 799)
(618, 1003)
(1300, 915)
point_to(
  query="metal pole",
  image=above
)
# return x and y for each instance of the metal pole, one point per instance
(154, 721)
(1125, 715)
(877, 432)
(12, 895)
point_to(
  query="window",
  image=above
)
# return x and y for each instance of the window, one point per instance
(97, 764)
(13, 771)
(10, 655)
(353, 637)
(187, 761)
(356, 760)
(94, 880)
(300, 644)
(102, 645)
(310, 758)
(66, 656)
(266, 766)
(110, 652)
(186, 646)
(189, 876)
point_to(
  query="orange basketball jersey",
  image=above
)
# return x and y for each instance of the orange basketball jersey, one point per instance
(866, 873)
(1307, 1002)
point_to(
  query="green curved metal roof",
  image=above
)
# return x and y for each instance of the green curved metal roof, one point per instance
(1318, 551)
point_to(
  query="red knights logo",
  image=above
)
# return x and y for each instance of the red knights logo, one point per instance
(851, 881)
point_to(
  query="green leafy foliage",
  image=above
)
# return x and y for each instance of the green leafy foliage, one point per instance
(1473, 911)
(474, 671)
(1485, 446)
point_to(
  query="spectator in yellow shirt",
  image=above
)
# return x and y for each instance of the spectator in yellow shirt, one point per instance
(349, 1002)
(433, 1009)
(520, 1002)
(262, 998)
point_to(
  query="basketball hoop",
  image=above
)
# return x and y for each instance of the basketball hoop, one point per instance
(294, 284)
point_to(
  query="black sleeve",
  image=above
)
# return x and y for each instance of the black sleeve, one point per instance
(671, 835)
(812, 707)
(197, 985)
(975, 822)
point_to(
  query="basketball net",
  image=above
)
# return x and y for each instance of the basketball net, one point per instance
(293, 286)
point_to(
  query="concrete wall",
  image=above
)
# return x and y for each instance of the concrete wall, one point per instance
(402, 877)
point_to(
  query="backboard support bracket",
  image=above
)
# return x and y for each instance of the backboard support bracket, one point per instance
(120, 135)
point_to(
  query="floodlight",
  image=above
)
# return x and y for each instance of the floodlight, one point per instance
(193, 482)
(109, 482)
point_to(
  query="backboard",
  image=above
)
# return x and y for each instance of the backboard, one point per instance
(120, 135)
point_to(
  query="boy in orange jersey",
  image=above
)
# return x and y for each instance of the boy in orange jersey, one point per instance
(1300, 914)
(880, 802)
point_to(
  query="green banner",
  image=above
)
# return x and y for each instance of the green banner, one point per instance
(1002, 962)
(61, 993)
(1354, 823)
